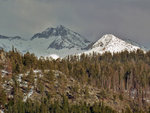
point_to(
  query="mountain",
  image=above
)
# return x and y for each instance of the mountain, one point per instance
(7, 43)
(60, 40)
(113, 44)
(9, 38)
(62, 37)
(136, 44)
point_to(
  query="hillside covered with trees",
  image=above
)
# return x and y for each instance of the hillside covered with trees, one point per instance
(76, 84)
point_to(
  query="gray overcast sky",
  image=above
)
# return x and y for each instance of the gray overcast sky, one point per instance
(91, 18)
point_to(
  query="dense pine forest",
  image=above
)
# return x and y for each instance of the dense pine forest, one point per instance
(76, 84)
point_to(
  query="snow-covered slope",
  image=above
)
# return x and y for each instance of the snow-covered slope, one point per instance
(136, 44)
(60, 40)
(112, 44)
(8, 42)
(62, 37)
(52, 56)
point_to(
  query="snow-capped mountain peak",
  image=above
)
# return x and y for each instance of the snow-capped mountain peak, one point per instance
(112, 44)
(59, 40)
(105, 40)
(54, 40)
(49, 32)
(62, 37)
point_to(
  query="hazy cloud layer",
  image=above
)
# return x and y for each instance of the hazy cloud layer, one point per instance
(91, 18)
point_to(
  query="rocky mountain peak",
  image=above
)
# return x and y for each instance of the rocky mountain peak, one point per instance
(62, 37)
(49, 32)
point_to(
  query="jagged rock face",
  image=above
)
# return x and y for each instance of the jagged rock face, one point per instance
(64, 38)
(59, 31)
(69, 42)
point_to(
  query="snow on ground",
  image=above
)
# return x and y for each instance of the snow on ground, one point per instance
(28, 94)
(4, 73)
(1, 111)
(37, 71)
(52, 56)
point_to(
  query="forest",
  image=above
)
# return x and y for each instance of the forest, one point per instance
(123, 79)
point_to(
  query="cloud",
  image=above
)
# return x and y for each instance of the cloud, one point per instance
(91, 18)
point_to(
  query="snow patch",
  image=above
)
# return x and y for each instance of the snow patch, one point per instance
(52, 56)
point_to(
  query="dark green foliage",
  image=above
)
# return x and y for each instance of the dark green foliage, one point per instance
(3, 97)
(56, 107)
(121, 97)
